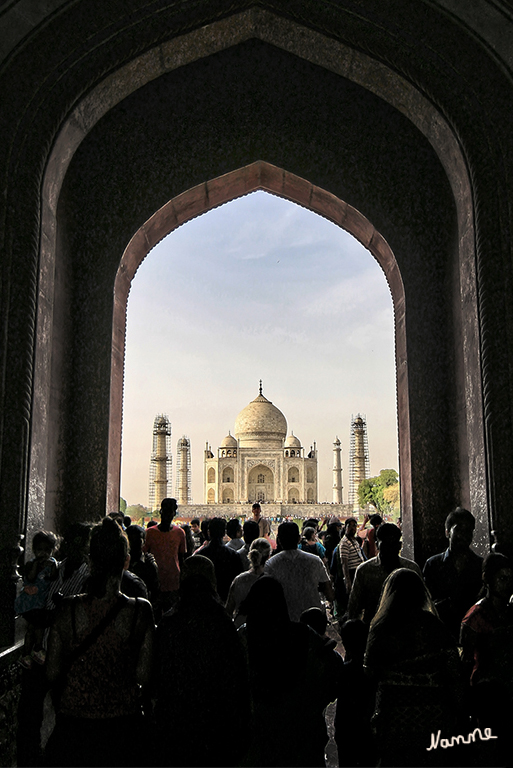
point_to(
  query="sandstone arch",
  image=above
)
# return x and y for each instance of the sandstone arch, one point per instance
(448, 227)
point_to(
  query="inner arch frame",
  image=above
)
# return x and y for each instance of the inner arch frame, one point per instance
(265, 177)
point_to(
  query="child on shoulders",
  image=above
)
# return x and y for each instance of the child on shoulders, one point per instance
(30, 603)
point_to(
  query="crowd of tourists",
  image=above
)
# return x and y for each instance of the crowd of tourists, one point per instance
(213, 644)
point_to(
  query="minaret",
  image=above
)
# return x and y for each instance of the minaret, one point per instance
(183, 471)
(160, 462)
(337, 472)
(358, 458)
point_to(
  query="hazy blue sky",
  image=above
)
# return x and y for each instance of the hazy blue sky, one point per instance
(259, 288)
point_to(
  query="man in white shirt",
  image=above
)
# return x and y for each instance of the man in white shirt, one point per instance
(301, 574)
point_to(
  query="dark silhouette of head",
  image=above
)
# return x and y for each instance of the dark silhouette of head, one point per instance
(250, 532)
(388, 539)
(136, 536)
(197, 577)
(168, 509)
(354, 638)
(459, 529)
(265, 603)
(204, 528)
(216, 529)
(316, 619)
(118, 517)
(288, 535)
(404, 593)
(108, 553)
(233, 527)
(498, 575)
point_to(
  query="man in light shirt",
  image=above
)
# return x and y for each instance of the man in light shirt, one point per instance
(301, 574)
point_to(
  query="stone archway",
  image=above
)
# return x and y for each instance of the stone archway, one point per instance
(372, 78)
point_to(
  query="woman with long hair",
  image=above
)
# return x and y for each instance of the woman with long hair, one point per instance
(99, 656)
(414, 663)
(259, 552)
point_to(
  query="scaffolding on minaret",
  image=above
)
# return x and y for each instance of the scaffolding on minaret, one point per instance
(183, 471)
(161, 462)
(359, 464)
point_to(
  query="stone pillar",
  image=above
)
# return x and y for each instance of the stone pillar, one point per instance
(337, 472)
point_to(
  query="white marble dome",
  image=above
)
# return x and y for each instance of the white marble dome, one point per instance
(228, 442)
(260, 424)
(292, 441)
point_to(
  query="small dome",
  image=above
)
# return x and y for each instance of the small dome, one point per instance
(260, 423)
(292, 441)
(229, 442)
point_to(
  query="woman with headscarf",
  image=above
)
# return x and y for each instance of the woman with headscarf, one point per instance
(99, 656)
(287, 725)
(414, 663)
(200, 682)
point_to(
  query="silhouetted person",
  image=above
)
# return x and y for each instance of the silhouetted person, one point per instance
(227, 563)
(332, 539)
(259, 553)
(355, 696)
(370, 575)
(189, 540)
(454, 577)
(143, 564)
(200, 680)
(288, 726)
(413, 660)
(99, 654)
(487, 652)
(166, 542)
(250, 532)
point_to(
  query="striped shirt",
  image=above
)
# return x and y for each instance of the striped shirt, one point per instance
(351, 552)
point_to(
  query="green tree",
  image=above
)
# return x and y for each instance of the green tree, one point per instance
(372, 491)
(122, 505)
(137, 512)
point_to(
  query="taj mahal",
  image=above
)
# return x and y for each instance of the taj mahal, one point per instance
(259, 462)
